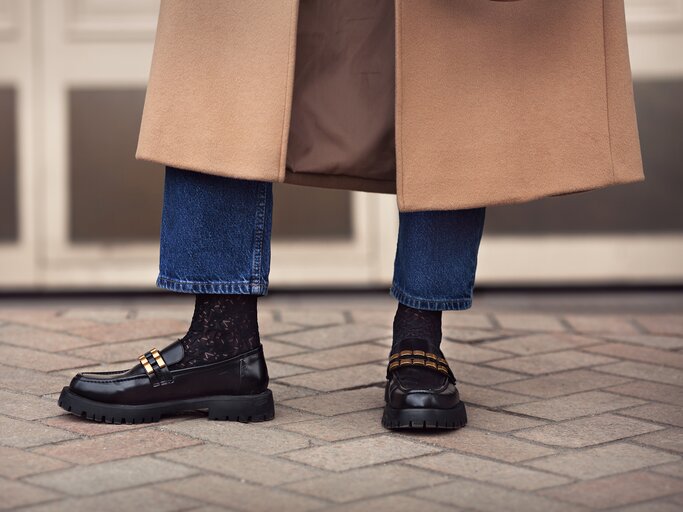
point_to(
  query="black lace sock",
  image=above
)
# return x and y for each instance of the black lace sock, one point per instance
(222, 326)
(417, 323)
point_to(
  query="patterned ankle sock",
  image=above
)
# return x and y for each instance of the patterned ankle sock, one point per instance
(222, 326)
(417, 323)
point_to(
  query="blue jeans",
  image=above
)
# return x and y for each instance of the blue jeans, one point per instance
(215, 238)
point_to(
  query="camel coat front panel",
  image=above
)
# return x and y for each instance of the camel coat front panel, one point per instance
(494, 102)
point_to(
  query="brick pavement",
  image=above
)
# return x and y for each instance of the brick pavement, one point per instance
(569, 411)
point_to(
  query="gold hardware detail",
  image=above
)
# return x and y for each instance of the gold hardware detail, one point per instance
(157, 357)
(145, 363)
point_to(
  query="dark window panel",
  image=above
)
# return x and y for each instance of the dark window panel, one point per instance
(9, 220)
(114, 198)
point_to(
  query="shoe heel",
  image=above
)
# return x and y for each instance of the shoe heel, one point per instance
(243, 408)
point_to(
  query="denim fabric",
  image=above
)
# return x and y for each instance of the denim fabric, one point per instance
(215, 238)
(215, 234)
(436, 258)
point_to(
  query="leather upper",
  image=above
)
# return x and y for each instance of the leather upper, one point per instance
(243, 374)
(420, 387)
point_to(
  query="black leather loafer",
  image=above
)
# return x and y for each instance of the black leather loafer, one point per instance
(420, 390)
(233, 389)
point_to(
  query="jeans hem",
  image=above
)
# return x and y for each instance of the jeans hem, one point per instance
(212, 287)
(404, 298)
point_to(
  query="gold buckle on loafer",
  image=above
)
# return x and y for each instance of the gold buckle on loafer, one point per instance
(419, 358)
(156, 368)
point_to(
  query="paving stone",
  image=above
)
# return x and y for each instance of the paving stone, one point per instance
(47, 319)
(366, 482)
(24, 434)
(285, 415)
(529, 322)
(662, 324)
(394, 503)
(240, 464)
(660, 413)
(648, 340)
(339, 402)
(118, 501)
(602, 461)
(650, 391)
(588, 431)
(343, 426)
(313, 317)
(332, 337)
(617, 491)
(482, 376)
(19, 463)
(273, 349)
(487, 444)
(541, 343)
(382, 318)
(131, 330)
(602, 324)
(120, 445)
(40, 339)
(618, 418)
(27, 407)
(179, 312)
(29, 381)
(564, 383)
(468, 336)
(239, 495)
(466, 319)
(645, 371)
(670, 439)
(659, 506)
(551, 362)
(105, 314)
(340, 378)
(35, 360)
(278, 370)
(283, 392)
(337, 357)
(575, 406)
(18, 494)
(642, 354)
(489, 397)
(475, 468)
(122, 351)
(111, 476)
(470, 353)
(674, 469)
(489, 498)
(246, 436)
(498, 421)
(356, 453)
(273, 328)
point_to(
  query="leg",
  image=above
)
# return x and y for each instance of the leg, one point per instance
(215, 243)
(434, 270)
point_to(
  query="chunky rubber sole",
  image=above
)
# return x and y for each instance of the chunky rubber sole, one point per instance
(424, 418)
(243, 408)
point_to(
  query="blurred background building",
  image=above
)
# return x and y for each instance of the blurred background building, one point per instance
(77, 211)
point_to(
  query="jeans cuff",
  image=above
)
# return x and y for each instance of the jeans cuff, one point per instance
(459, 304)
(212, 287)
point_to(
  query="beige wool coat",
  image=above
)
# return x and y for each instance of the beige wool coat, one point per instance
(448, 103)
